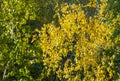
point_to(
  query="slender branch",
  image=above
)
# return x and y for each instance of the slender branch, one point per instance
(5, 70)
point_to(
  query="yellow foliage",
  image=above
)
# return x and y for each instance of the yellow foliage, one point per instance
(77, 49)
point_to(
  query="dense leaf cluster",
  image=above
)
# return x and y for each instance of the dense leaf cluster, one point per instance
(59, 40)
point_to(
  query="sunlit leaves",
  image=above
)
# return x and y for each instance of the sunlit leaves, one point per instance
(78, 46)
(67, 40)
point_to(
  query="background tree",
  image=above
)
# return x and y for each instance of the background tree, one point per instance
(17, 53)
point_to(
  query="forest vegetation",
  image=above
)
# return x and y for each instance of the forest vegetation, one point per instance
(59, 40)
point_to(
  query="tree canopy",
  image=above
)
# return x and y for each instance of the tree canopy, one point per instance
(59, 40)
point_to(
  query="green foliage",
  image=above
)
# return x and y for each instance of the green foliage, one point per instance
(16, 51)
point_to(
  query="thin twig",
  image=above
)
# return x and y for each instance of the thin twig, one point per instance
(5, 70)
